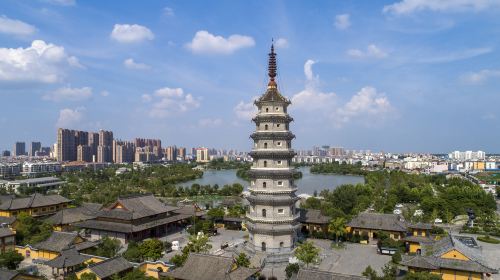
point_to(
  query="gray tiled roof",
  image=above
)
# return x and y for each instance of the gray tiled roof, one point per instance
(110, 267)
(420, 226)
(59, 241)
(313, 216)
(8, 274)
(4, 232)
(7, 220)
(144, 205)
(310, 274)
(431, 257)
(35, 200)
(70, 216)
(68, 258)
(126, 227)
(378, 221)
(242, 273)
(203, 267)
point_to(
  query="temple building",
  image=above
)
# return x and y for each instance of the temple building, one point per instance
(272, 219)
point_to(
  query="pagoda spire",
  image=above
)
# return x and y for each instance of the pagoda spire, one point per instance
(272, 67)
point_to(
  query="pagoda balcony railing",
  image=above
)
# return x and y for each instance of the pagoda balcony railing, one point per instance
(278, 251)
(275, 219)
(272, 200)
(272, 190)
(273, 153)
(272, 229)
(275, 118)
(272, 135)
(269, 173)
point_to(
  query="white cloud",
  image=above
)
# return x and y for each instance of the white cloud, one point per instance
(410, 6)
(69, 94)
(41, 62)
(311, 99)
(169, 12)
(481, 76)
(367, 103)
(363, 106)
(104, 93)
(15, 27)
(69, 118)
(167, 101)
(207, 43)
(131, 33)
(208, 122)
(245, 111)
(372, 51)
(131, 64)
(342, 21)
(281, 43)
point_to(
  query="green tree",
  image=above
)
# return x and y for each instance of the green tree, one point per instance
(216, 213)
(88, 276)
(370, 273)
(179, 259)
(31, 231)
(133, 253)
(10, 259)
(242, 260)
(108, 247)
(307, 253)
(291, 269)
(151, 249)
(337, 227)
(396, 258)
(312, 203)
(199, 244)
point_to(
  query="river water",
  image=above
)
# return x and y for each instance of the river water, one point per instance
(307, 184)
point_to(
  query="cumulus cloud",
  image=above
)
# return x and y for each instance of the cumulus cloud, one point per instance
(245, 110)
(131, 33)
(311, 98)
(69, 94)
(169, 12)
(167, 101)
(281, 43)
(41, 62)
(480, 77)
(342, 21)
(209, 122)
(15, 27)
(411, 6)
(204, 42)
(131, 64)
(372, 51)
(364, 105)
(69, 118)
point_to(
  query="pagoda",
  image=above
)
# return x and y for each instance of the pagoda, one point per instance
(272, 219)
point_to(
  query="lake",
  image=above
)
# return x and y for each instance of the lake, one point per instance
(307, 184)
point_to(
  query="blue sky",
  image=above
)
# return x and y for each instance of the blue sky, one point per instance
(398, 75)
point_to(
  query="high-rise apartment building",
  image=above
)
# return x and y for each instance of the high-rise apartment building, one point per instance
(202, 155)
(84, 153)
(19, 149)
(171, 153)
(34, 148)
(66, 145)
(123, 151)
(93, 142)
(272, 221)
(181, 153)
(105, 148)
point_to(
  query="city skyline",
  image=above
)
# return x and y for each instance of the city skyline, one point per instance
(384, 75)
